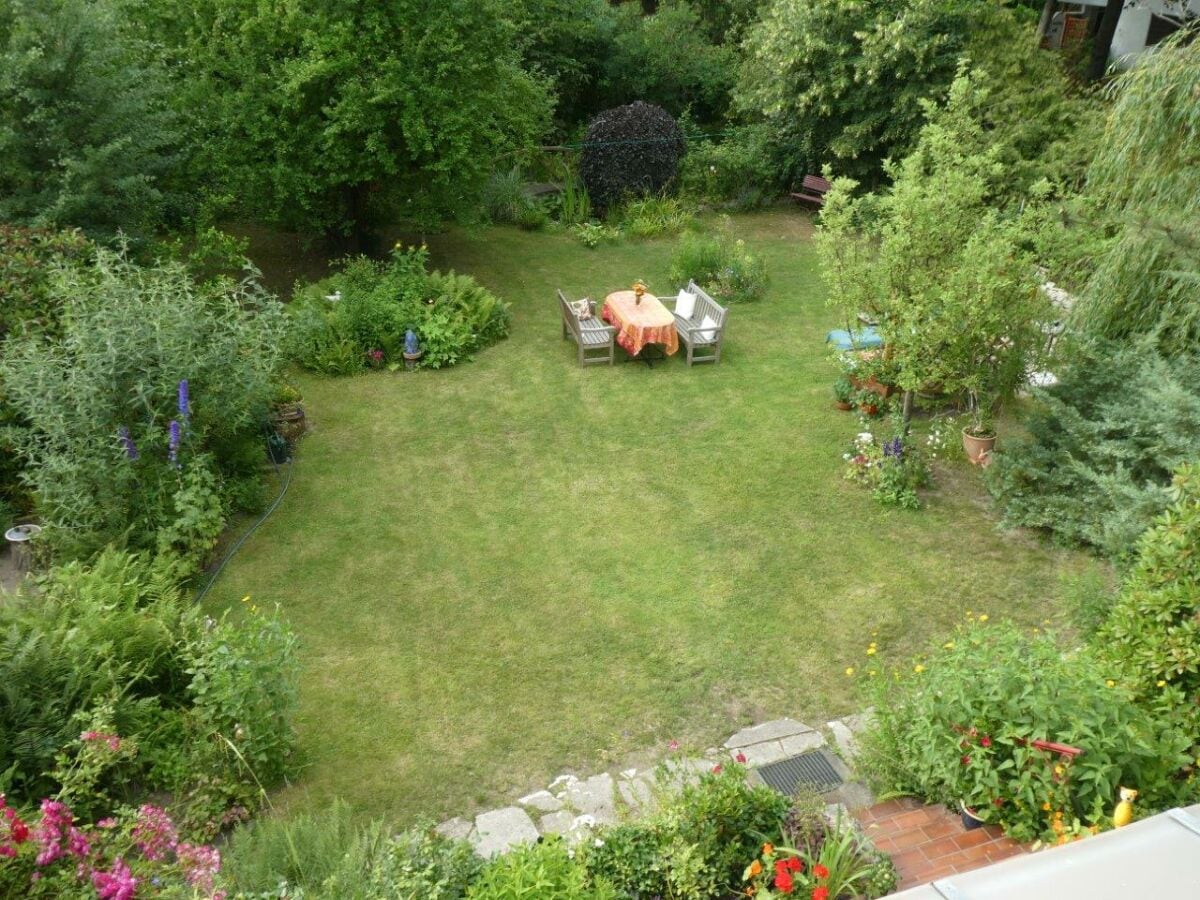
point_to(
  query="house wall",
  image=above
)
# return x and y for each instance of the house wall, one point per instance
(1130, 37)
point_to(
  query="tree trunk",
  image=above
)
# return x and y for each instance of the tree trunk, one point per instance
(908, 410)
(1044, 22)
(1102, 45)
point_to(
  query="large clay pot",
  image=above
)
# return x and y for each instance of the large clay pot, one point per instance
(290, 422)
(843, 406)
(978, 448)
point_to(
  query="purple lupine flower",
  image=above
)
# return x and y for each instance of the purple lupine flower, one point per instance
(894, 448)
(173, 442)
(185, 407)
(131, 449)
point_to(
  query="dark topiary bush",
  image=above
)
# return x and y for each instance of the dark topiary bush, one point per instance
(632, 149)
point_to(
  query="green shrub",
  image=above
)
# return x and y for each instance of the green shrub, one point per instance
(1152, 634)
(739, 172)
(720, 265)
(593, 234)
(546, 871)
(696, 844)
(1096, 464)
(128, 413)
(452, 315)
(960, 726)
(504, 196)
(28, 258)
(207, 703)
(652, 216)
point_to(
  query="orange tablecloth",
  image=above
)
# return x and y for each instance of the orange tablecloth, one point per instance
(639, 324)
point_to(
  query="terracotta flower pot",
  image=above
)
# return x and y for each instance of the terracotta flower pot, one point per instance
(869, 408)
(843, 405)
(978, 447)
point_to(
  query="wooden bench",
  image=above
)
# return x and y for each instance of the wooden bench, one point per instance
(589, 334)
(703, 341)
(813, 190)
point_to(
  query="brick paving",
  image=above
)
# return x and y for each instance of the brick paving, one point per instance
(929, 842)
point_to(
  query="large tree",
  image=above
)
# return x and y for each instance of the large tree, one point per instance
(1144, 189)
(327, 114)
(841, 82)
(86, 131)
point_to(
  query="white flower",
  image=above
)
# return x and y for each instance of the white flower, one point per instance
(845, 456)
(598, 843)
(866, 437)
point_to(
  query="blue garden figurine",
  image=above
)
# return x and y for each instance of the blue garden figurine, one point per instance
(411, 345)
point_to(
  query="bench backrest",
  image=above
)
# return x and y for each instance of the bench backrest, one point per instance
(705, 306)
(568, 314)
(817, 184)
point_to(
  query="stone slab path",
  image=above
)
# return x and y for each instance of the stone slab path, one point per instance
(572, 807)
(929, 842)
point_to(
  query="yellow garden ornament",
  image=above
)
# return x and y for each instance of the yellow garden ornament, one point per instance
(1123, 814)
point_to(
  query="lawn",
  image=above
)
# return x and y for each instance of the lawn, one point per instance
(516, 567)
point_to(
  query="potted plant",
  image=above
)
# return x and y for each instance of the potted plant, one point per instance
(843, 393)
(287, 412)
(868, 402)
(979, 437)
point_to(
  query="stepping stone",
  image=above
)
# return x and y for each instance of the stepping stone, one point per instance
(844, 738)
(636, 793)
(563, 780)
(767, 731)
(802, 743)
(762, 754)
(456, 829)
(502, 829)
(556, 822)
(593, 797)
(860, 721)
(543, 801)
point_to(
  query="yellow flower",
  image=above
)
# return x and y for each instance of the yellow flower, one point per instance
(1059, 771)
(872, 673)
(849, 670)
(949, 645)
(1046, 806)
(983, 618)
(918, 668)
(1161, 683)
(872, 644)
(1110, 683)
(870, 651)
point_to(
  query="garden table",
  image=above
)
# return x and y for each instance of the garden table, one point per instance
(639, 324)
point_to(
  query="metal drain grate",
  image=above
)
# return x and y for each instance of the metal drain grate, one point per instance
(812, 769)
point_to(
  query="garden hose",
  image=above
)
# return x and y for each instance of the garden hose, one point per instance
(291, 462)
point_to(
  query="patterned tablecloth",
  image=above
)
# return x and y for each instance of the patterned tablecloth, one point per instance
(639, 324)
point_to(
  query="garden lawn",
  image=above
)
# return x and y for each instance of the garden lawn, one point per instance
(516, 567)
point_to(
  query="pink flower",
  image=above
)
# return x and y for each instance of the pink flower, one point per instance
(673, 745)
(985, 741)
(56, 820)
(154, 833)
(716, 770)
(741, 757)
(109, 822)
(200, 865)
(116, 884)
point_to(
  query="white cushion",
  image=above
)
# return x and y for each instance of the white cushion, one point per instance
(685, 304)
(708, 331)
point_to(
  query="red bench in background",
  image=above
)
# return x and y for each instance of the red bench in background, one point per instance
(812, 190)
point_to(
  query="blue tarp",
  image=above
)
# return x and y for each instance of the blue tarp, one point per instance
(864, 339)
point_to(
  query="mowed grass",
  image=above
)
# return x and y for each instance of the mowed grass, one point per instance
(517, 567)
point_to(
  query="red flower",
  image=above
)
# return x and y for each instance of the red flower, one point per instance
(985, 741)
(999, 801)
(781, 867)
(820, 871)
(966, 760)
(820, 893)
(784, 883)
(19, 831)
(741, 757)
(716, 770)
(795, 864)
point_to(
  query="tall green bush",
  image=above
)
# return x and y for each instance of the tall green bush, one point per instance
(1152, 635)
(1142, 190)
(88, 135)
(1095, 464)
(102, 454)
(961, 726)
(721, 265)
